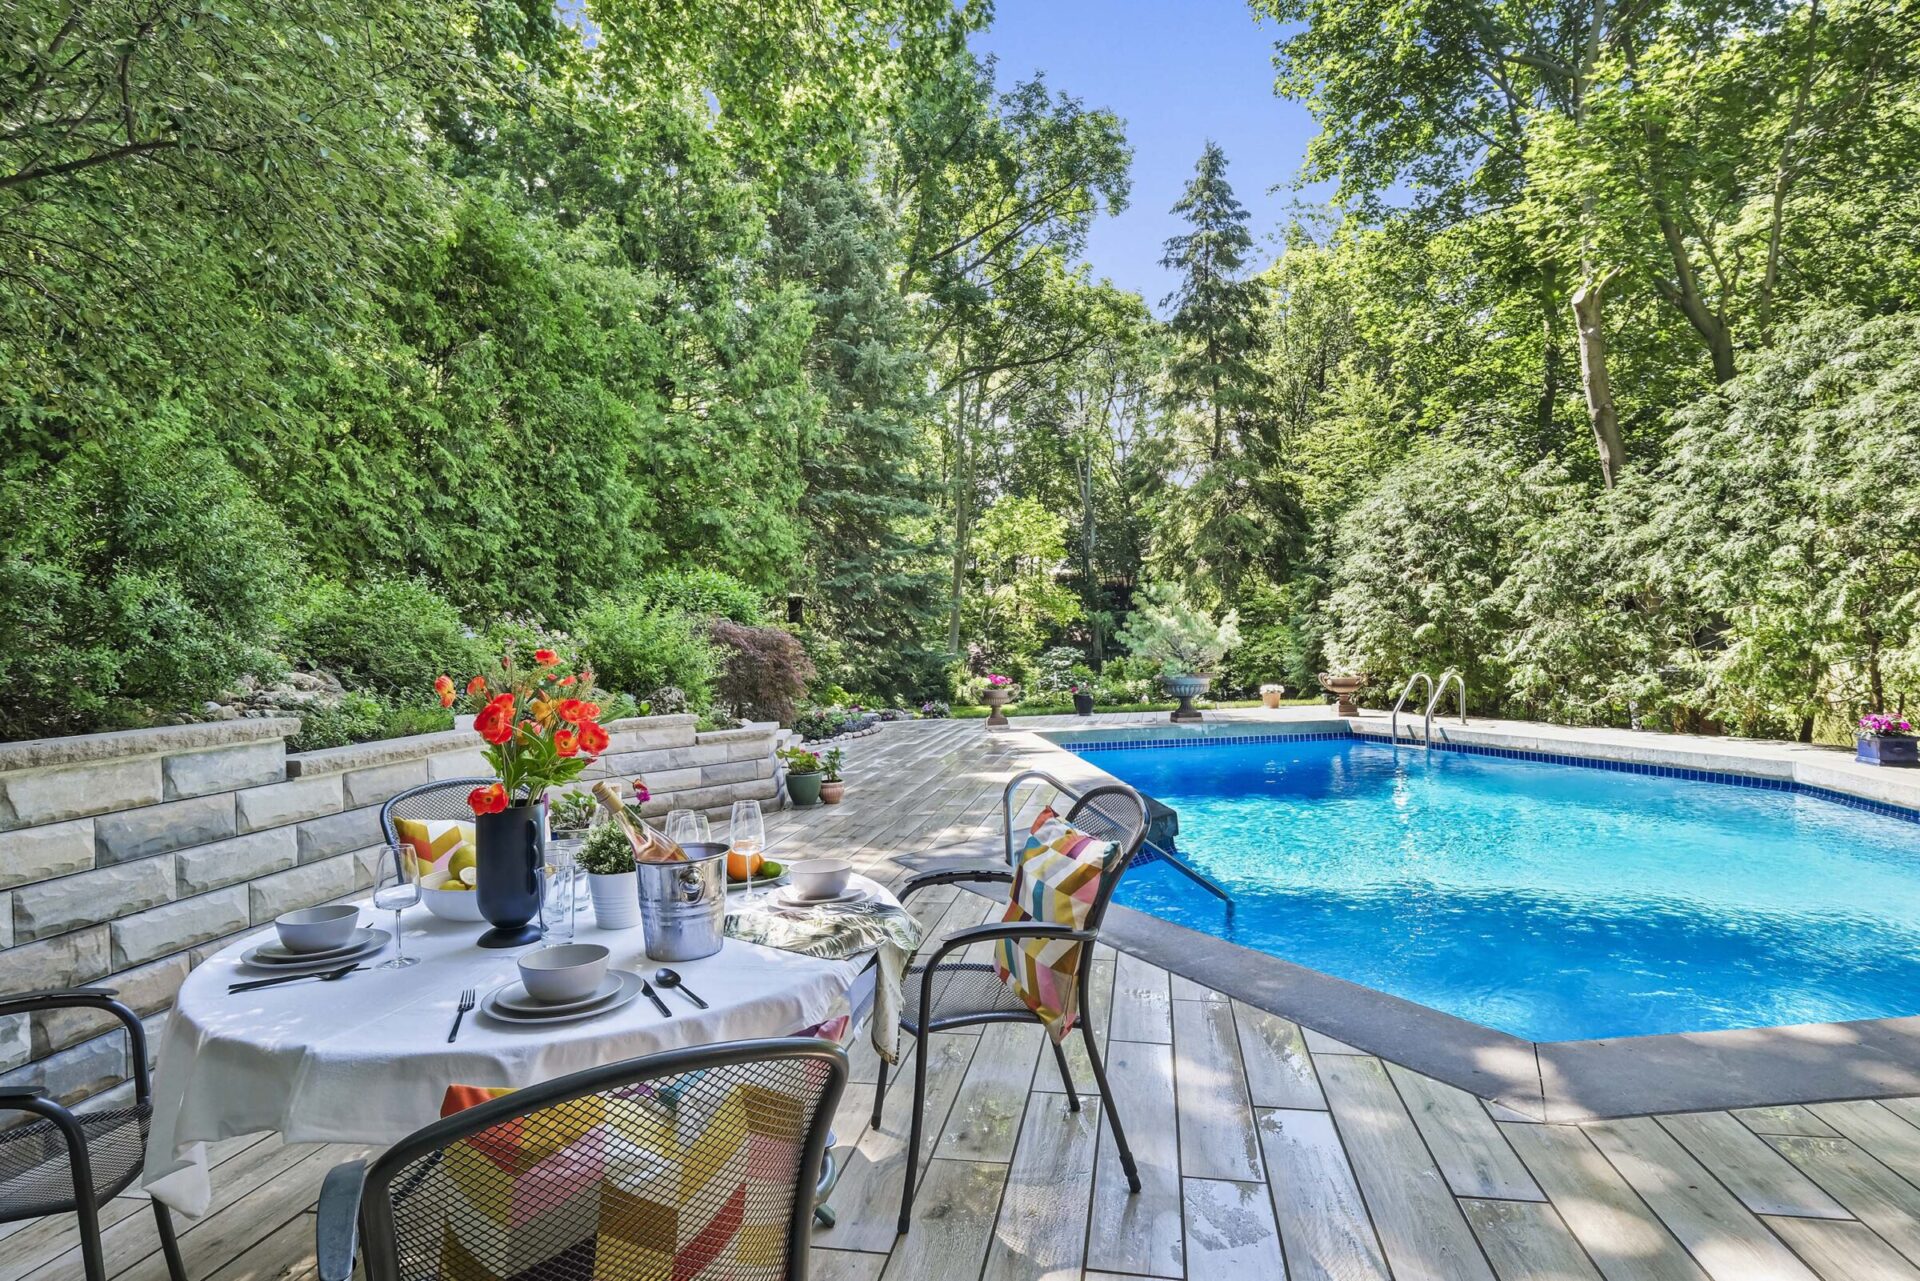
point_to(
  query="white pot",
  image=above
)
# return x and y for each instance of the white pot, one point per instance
(616, 899)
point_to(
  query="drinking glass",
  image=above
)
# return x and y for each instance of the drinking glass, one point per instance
(396, 888)
(688, 827)
(557, 904)
(747, 834)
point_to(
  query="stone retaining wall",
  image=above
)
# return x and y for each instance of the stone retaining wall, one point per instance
(128, 858)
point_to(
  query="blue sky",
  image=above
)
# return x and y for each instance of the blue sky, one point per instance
(1178, 72)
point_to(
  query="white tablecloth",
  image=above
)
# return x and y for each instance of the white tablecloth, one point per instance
(366, 1060)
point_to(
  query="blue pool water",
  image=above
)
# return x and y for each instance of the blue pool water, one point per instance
(1552, 902)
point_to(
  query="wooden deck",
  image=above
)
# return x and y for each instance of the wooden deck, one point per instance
(1266, 1150)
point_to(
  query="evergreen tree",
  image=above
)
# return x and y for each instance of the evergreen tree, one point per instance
(1216, 314)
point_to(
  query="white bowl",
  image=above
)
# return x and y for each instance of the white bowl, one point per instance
(820, 877)
(317, 929)
(452, 905)
(565, 973)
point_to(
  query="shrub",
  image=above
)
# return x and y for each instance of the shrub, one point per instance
(1056, 669)
(138, 576)
(389, 635)
(763, 670)
(523, 635)
(703, 594)
(1181, 639)
(661, 656)
(361, 717)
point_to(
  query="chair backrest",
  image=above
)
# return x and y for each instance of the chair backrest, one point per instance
(443, 801)
(1112, 812)
(694, 1163)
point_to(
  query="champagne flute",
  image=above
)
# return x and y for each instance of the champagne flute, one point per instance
(686, 827)
(396, 888)
(746, 834)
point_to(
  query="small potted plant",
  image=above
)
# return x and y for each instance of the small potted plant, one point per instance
(805, 774)
(570, 816)
(1272, 694)
(1886, 740)
(999, 694)
(1082, 699)
(607, 856)
(832, 789)
(1186, 642)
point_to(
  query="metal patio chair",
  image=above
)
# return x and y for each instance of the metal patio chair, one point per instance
(941, 992)
(73, 1162)
(514, 1187)
(443, 801)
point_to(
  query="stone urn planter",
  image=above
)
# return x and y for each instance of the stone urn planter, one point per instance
(1887, 749)
(997, 699)
(1186, 689)
(1343, 689)
(1082, 704)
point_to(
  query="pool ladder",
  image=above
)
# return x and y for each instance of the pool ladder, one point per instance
(1436, 690)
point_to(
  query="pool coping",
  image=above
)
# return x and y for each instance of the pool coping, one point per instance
(1544, 1080)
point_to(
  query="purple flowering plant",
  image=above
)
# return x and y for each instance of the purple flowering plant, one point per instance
(996, 680)
(1876, 723)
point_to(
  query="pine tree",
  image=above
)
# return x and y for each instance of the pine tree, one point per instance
(1216, 314)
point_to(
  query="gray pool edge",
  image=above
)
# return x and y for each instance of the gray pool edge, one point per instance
(1547, 1080)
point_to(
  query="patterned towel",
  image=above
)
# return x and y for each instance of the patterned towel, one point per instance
(1055, 883)
(835, 934)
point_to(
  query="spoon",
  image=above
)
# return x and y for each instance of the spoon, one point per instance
(671, 979)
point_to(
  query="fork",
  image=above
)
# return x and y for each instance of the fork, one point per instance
(466, 1003)
(325, 976)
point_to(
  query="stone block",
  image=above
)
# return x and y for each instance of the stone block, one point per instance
(41, 853)
(750, 749)
(16, 1041)
(645, 733)
(146, 989)
(47, 908)
(372, 786)
(161, 930)
(304, 886)
(661, 781)
(159, 829)
(366, 866)
(6, 921)
(76, 1072)
(735, 772)
(288, 802)
(65, 960)
(240, 859)
(75, 791)
(337, 833)
(225, 769)
(468, 764)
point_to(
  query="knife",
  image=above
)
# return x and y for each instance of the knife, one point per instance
(655, 998)
(326, 976)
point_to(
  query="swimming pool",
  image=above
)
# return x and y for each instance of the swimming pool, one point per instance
(1548, 901)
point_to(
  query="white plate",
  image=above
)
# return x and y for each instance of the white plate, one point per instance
(372, 947)
(629, 989)
(273, 951)
(515, 997)
(791, 897)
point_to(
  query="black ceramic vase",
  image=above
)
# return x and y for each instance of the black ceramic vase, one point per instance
(512, 849)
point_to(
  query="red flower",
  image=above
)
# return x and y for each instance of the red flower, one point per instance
(566, 680)
(545, 657)
(443, 686)
(640, 793)
(573, 711)
(593, 739)
(566, 743)
(476, 687)
(491, 799)
(495, 721)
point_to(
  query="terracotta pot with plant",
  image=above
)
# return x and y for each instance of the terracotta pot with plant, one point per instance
(1272, 694)
(832, 789)
(805, 774)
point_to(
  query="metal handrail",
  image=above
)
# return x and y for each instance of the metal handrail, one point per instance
(1393, 725)
(1440, 690)
(1179, 864)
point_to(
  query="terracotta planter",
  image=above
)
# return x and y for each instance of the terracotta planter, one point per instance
(1343, 689)
(1186, 689)
(833, 792)
(1271, 698)
(997, 699)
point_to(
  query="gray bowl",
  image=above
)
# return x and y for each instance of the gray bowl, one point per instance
(317, 929)
(565, 973)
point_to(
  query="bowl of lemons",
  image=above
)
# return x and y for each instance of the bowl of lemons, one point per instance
(447, 890)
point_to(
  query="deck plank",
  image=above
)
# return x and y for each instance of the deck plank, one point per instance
(1791, 1118)
(952, 1222)
(844, 1265)
(1041, 1234)
(1217, 1136)
(1619, 1233)
(985, 1117)
(1142, 1003)
(1886, 1137)
(284, 1254)
(1316, 1201)
(1465, 1142)
(1139, 1232)
(1230, 1230)
(1527, 1241)
(1321, 1043)
(1842, 1250)
(1274, 1053)
(1765, 1181)
(1420, 1224)
(1870, 1191)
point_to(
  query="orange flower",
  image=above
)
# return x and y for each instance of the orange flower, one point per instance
(443, 686)
(476, 687)
(566, 743)
(491, 799)
(545, 657)
(495, 721)
(565, 681)
(593, 739)
(573, 711)
(542, 711)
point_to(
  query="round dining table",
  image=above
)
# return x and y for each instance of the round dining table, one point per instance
(365, 1058)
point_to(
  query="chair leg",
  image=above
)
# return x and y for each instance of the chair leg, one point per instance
(879, 1094)
(1066, 1077)
(1113, 1114)
(90, 1256)
(169, 1245)
(913, 1135)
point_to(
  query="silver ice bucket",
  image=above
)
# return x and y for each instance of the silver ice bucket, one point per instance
(683, 906)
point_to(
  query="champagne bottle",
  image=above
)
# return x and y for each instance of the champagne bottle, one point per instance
(648, 845)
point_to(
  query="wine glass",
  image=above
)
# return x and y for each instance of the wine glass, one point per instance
(746, 834)
(557, 904)
(396, 888)
(687, 827)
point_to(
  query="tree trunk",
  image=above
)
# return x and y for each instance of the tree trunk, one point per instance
(961, 487)
(1549, 378)
(1590, 329)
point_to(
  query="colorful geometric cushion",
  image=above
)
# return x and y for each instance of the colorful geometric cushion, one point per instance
(688, 1180)
(432, 840)
(1055, 882)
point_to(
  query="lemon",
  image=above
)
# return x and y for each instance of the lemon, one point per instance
(469, 877)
